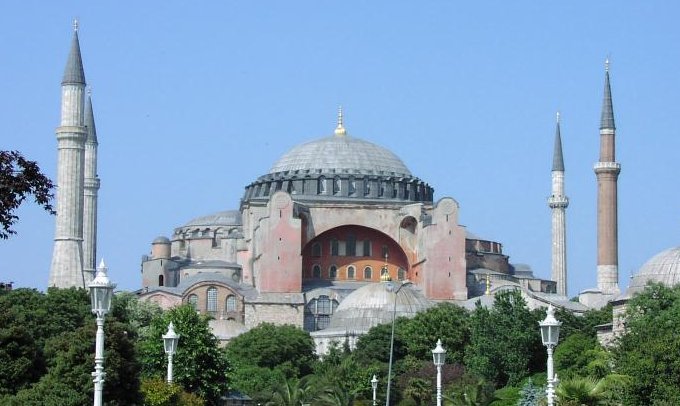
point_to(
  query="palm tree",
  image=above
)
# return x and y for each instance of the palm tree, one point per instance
(292, 392)
(581, 392)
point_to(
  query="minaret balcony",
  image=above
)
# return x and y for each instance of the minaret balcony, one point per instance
(557, 201)
(607, 167)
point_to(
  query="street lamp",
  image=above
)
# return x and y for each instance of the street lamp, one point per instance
(101, 292)
(374, 384)
(438, 356)
(170, 340)
(550, 334)
(391, 288)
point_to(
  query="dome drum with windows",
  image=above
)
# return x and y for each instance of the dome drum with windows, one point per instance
(340, 168)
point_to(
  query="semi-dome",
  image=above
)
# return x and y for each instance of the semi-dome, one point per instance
(664, 268)
(342, 154)
(222, 218)
(373, 304)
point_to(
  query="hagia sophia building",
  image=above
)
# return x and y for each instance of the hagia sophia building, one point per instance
(335, 238)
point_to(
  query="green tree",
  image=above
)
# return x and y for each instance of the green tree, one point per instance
(47, 350)
(200, 365)
(292, 392)
(20, 178)
(419, 390)
(445, 321)
(505, 345)
(157, 392)
(648, 351)
(574, 356)
(286, 348)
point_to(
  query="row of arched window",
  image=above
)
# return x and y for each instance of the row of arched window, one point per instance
(211, 305)
(351, 272)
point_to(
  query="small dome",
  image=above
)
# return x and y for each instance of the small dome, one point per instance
(373, 304)
(161, 240)
(341, 153)
(664, 267)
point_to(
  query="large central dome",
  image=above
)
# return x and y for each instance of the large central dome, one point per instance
(341, 153)
(340, 168)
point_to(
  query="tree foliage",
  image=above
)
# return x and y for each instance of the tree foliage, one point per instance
(505, 344)
(200, 365)
(19, 179)
(445, 321)
(648, 351)
(284, 347)
(56, 331)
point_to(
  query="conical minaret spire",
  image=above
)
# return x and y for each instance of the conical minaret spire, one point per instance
(91, 190)
(558, 202)
(607, 172)
(67, 258)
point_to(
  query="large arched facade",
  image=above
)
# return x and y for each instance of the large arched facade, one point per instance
(331, 216)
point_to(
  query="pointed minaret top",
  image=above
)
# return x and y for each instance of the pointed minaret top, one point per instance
(607, 119)
(89, 119)
(558, 160)
(74, 73)
(340, 129)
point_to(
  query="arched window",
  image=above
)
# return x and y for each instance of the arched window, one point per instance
(381, 192)
(335, 247)
(352, 186)
(322, 185)
(316, 249)
(316, 271)
(368, 273)
(160, 280)
(211, 300)
(230, 304)
(367, 187)
(333, 272)
(193, 301)
(351, 272)
(318, 313)
(336, 185)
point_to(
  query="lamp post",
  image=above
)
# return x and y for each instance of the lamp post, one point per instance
(391, 288)
(170, 340)
(101, 291)
(374, 384)
(550, 334)
(438, 356)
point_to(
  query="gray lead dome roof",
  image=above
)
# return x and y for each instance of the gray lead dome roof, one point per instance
(664, 267)
(341, 153)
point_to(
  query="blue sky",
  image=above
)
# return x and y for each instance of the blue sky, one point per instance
(194, 101)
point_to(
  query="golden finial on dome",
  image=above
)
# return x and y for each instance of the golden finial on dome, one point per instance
(340, 129)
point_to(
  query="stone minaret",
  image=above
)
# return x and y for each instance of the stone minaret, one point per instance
(558, 202)
(607, 172)
(67, 258)
(91, 186)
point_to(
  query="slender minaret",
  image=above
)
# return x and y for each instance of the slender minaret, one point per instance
(91, 187)
(607, 172)
(67, 258)
(558, 202)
